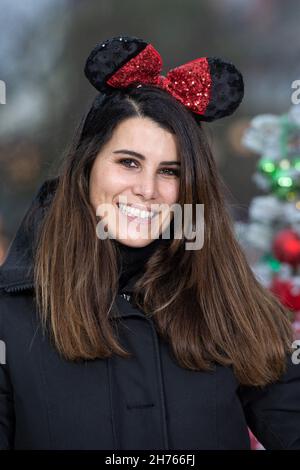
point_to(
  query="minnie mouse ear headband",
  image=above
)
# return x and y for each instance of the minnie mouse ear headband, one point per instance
(208, 86)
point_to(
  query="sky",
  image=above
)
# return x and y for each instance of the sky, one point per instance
(25, 99)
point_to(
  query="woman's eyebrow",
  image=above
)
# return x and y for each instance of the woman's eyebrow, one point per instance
(142, 157)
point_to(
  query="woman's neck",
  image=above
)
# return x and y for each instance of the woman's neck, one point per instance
(132, 260)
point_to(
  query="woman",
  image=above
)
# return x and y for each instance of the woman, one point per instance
(130, 340)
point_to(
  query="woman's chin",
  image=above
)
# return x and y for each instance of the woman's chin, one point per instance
(137, 243)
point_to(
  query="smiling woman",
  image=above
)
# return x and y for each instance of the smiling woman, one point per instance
(132, 343)
(132, 186)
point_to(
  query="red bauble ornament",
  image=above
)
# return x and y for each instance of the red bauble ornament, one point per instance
(286, 247)
(286, 293)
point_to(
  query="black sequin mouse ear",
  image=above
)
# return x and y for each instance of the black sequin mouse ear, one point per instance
(227, 89)
(108, 57)
(208, 86)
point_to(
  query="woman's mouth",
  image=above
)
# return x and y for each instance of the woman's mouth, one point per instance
(132, 213)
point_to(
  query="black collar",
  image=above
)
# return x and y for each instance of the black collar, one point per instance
(16, 273)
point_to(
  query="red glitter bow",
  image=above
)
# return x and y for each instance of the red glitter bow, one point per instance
(190, 83)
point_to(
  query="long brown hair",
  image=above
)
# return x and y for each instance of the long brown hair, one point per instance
(206, 303)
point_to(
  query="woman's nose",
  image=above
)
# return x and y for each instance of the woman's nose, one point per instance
(146, 187)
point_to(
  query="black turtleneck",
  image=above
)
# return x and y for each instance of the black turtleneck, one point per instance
(133, 260)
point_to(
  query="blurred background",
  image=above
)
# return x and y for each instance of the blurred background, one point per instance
(43, 48)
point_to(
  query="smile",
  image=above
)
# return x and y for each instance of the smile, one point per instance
(134, 212)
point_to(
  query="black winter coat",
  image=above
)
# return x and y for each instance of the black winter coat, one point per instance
(145, 402)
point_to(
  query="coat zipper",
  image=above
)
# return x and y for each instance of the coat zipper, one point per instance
(126, 296)
(19, 288)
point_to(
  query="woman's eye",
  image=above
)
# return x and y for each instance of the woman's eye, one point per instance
(127, 162)
(130, 163)
(171, 172)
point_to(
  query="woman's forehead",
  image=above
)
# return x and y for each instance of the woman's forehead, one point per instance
(145, 136)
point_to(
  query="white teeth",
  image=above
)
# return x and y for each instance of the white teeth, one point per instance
(135, 212)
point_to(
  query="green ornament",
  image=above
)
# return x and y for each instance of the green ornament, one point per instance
(272, 262)
(284, 184)
(267, 166)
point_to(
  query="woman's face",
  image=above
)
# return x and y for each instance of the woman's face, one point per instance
(139, 167)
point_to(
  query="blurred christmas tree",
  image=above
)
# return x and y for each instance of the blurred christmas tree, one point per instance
(271, 237)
